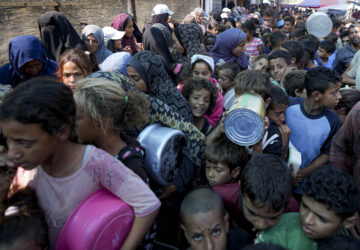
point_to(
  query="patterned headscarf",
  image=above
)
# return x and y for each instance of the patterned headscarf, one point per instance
(119, 23)
(190, 36)
(159, 84)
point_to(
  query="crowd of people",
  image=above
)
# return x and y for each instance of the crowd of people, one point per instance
(73, 106)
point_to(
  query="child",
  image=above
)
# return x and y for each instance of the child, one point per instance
(349, 98)
(296, 50)
(201, 95)
(328, 206)
(227, 74)
(261, 63)
(103, 112)
(38, 119)
(326, 49)
(224, 161)
(277, 38)
(279, 62)
(311, 122)
(213, 27)
(289, 25)
(253, 47)
(294, 83)
(205, 223)
(22, 225)
(310, 48)
(209, 42)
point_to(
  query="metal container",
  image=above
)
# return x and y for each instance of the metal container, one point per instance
(163, 148)
(319, 24)
(244, 125)
(294, 157)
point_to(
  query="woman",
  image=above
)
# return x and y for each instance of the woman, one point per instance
(229, 47)
(93, 37)
(198, 14)
(125, 22)
(160, 14)
(27, 59)
(74, 65)
(147, 73)
(57, 34)
(188, 41)
(116, 62)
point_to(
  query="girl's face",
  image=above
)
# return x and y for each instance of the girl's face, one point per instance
(224, 81)
(86, 130)
(199, 101)
(177, 44)
(29, 145)
(129, 29)
(262, 64)
(91, 43)
(201, 69)
(136, 80)
(239, 49)
(71, 73)
(32, 68)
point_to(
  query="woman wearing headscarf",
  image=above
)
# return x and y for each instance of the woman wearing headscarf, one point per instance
(116, 62)
(27, 59)
(160, 15)
(188, 40)
(93, 37)
(229, 47)
(57, 34)
(147, 73)
(198, 14)
(125, 22)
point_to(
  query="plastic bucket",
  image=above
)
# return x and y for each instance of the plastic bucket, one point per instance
(244, 125)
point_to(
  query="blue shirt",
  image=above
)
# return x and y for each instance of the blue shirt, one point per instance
(310, 134)
(343, 58)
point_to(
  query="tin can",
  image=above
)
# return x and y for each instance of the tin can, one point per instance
(244, 125)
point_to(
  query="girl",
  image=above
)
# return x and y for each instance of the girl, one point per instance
(203, 67)
(103, 112)
(227, 74)
(131, 42)
(188, 42)
(261, 63)
(57, 34)
(201, 95)
(93, 37)
(38, 119)
(253, 47)
(74, 65)
(27, 59)
(147, 73)
(229, 47)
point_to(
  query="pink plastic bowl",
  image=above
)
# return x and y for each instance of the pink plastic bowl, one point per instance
(101, 221)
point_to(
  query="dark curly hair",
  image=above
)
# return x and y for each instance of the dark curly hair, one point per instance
(335, 189)
(198, 84)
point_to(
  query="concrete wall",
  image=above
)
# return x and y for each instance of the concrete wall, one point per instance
(19, 17)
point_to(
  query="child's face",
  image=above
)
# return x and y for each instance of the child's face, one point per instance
(217, 173)
(317, 221)
(224, 81)
(287, 27)
(201, 69)
(277, 114)
(199, 101)
(278, 68)
(29, 145)
(209, 43)
(322, 54)
(262, 64)
(71, 73)
(331, 97)
(268, 21)
(260, 218)
(129, 29)
(85, 127)
(207, 230)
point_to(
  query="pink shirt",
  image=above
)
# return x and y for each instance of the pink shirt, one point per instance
(58, 197)
(252, 49)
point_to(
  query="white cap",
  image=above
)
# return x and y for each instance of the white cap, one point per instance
(112, 34)
(161, 9)
(224, 15)
(226, 10)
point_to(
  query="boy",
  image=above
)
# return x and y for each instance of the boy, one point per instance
(311, 122)
(205, 223)
(224, 161)
(289, 25)
(294, 83)
(277, 38)
(327, 207)
(326, 49)
(209, 42)
(296, 50)
(279, 62)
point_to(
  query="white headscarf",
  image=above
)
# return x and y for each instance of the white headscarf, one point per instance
(207, 59)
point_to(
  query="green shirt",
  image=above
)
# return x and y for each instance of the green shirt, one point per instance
(288, 234)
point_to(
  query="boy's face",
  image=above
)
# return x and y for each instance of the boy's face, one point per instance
(287, 27)
(224, 81)
(209, 43)
(278, 68)
(218, 173)
(268, 21)
(317, 222)
(277, 114)
(331, 97)
(260, 218)
(322, 54)
(206, 231)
